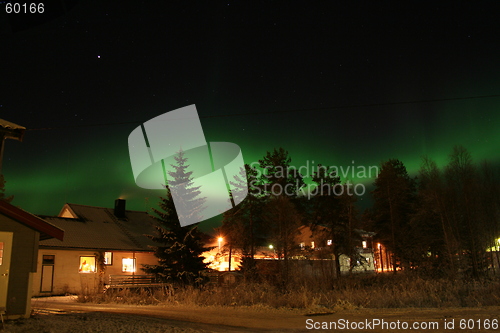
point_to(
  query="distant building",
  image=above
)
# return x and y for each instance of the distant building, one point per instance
(317, 242)
(311, 244)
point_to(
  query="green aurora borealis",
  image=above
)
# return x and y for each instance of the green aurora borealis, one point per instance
(331, 84)
(97, 171)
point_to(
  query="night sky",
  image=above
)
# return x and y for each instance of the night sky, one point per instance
(362, 82)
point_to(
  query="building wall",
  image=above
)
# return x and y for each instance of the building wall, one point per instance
(317, 239)
(66, 275)
(23, 262)
(366, 267)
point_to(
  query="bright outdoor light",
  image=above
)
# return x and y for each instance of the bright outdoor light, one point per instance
(220, 239)
(271, 247)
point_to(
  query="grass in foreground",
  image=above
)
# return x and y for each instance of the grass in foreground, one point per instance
(374, 291)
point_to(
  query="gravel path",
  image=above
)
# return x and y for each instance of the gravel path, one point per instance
(95, 322)
(63, 314)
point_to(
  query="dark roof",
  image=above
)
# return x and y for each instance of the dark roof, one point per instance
(11, 130)
(98, 228)
(47, 230)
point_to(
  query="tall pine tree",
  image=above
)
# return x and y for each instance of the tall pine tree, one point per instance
(180, 251)
(394, 196)
(325, 210)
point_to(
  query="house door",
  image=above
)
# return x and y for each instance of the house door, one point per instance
(5, 254)
(48, 262)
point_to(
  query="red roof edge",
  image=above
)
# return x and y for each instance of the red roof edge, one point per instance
(31, 220)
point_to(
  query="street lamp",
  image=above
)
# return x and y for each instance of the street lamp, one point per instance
(271, 247)
(220, 239)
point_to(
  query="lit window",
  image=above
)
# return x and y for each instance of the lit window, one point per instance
(302, 245)
(108, 258)
(87, 265)
(364, 244)
(329, 242)
(1, 253)
(312, 245)
(128, 265)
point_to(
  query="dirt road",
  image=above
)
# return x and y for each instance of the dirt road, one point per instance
(217, 319)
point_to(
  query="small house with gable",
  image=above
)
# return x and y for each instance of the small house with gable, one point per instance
(99, 242)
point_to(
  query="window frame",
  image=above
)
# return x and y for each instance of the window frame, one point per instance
(93, 258)
(134, 265)
(110, 258)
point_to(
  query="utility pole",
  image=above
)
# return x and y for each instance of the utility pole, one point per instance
(9, 130)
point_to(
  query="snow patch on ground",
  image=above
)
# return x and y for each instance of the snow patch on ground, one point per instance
(94, 322)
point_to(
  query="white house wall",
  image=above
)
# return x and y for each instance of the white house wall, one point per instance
(68, 280)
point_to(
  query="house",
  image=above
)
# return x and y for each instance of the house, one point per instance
(312, 251)
(318, 241)
(98, 242)
(20, 233)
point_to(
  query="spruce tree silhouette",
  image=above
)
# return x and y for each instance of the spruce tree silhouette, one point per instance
(180, 248)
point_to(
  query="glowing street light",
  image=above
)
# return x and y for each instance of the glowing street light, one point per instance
(271, 247)
(220, 239)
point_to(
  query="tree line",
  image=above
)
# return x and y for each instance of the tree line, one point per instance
(441, 221)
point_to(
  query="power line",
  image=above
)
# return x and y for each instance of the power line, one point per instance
(285, 111)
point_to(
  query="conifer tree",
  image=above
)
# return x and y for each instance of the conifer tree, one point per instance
(180, 248)
(325, 208)
(394, 195)
(241, 223)
(284, 210)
